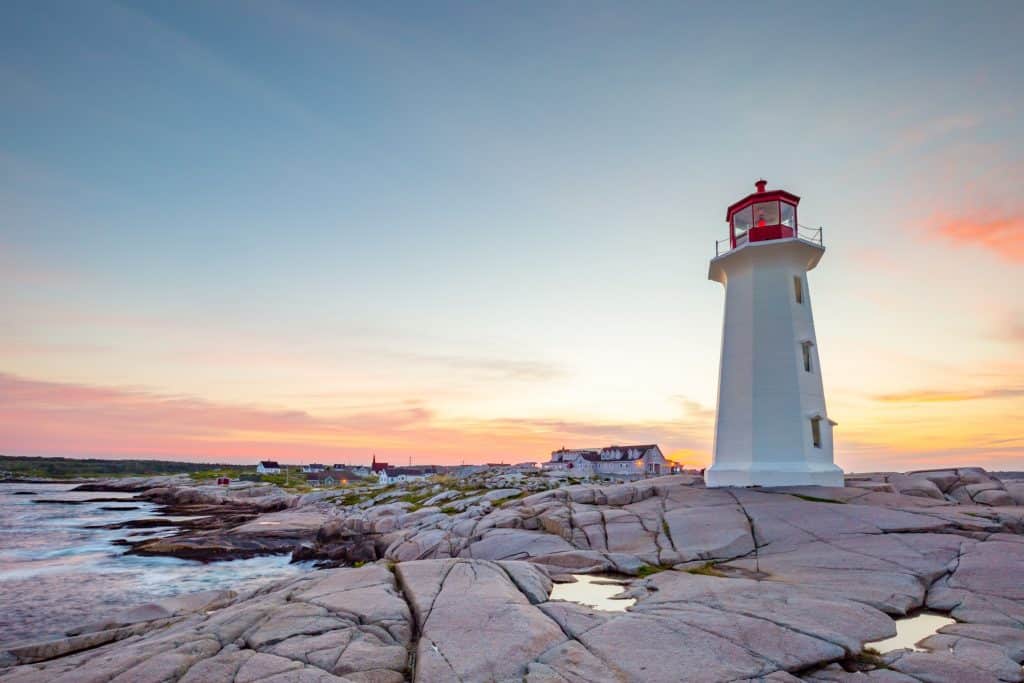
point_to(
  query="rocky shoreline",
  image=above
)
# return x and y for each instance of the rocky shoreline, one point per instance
(451, 581)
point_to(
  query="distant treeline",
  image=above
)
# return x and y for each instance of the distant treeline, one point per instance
(73, 468)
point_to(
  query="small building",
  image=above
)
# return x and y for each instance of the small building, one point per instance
(620, 462)
(320, 479)
(344, 476)
(375, 466)
(526, 467)
(567, 459)
(352, 471)
(313, 467)
(393, 475)
(268, 467)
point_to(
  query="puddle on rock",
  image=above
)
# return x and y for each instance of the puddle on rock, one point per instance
(910, 631)
(593, 591)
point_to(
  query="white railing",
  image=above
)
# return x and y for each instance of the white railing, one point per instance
(812, 235)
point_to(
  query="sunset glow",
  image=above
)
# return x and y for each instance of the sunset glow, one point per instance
(473, 236)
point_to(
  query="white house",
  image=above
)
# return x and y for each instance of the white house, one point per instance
(565, 459)
(353, 470)
(268, 467)
(622, 462)
(313, 467)
(393, 475)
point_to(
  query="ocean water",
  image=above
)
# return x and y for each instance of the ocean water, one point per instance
(55, 572)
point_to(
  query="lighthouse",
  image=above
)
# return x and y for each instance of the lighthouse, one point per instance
(772, 427)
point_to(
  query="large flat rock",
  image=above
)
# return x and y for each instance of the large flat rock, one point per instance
(474, 622)
(786, 582)
(333, 625)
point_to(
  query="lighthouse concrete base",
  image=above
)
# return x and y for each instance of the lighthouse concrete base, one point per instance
(799, 474)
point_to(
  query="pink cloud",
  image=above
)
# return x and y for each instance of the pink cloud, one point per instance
(1003, 236)
(57, 418)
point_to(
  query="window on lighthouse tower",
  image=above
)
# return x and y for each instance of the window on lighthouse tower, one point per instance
(816, 431)
(798, 289)
(806, 347)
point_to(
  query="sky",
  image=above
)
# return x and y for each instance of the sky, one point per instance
(477, 232)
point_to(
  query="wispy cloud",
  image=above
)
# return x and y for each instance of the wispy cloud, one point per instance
(937, 128)
(493, 367)
(1002, 235)
(59, 418)
(944, 396)
(695, 409)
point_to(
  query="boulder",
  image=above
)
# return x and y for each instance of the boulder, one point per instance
(1016, 491)
(515, 544)
(994, 497)
(455, 603)
(500, 494)
(716, 533)
(916, 486)
(939, 667)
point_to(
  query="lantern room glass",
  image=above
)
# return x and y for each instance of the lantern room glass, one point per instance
(766, 213)
(743, 220)
(788, 215)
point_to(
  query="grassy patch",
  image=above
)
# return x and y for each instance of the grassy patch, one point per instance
(870, 657)
(521, 494)
(815, 499)
(648, 570)
(74, 468)
(415, 499)
(453, 483)
(211, 474)
(353, 498)
(707, 569)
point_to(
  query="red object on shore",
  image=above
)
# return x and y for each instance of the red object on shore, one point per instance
(223, 481)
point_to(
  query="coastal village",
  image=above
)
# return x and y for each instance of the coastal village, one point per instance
(610, 463)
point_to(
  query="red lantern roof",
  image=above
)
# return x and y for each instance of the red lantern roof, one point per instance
(762, 216)
(761, 195)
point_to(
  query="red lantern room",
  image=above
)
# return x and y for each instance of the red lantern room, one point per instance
(762, 215)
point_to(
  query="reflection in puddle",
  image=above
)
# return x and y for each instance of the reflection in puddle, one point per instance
(593, 591)
(910, 631)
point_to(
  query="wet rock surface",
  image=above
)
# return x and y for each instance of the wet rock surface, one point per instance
(748, 584)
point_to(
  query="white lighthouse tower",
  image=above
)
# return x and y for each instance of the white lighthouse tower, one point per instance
(772, 427)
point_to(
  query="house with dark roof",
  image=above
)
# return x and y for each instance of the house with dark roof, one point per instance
(320, 479)
(346, 475)
(619, 462)
(352, 470)
(393, 475)
(268, 467)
